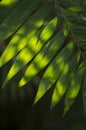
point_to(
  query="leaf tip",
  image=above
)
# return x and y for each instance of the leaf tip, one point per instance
(22, 82)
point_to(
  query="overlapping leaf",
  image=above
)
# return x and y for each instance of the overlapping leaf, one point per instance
(75, 84)
(15, 19)
(32, 48)
(64, 80)
(54, 70)
(52, 35)
(6, 7)
(24, 34)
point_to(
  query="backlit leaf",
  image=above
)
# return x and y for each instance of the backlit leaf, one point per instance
(54, 70)
(63, 81)
(74, 86)
(32, 48)
(23, 36)
(44, 57)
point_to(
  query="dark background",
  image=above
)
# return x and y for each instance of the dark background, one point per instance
(20, 114)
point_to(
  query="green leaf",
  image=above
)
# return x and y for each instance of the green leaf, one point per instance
(71, 5)
(7, 3)
(25, 33)
(32, 48)
(74, 86)
(48, 35)
(15, 18)
(54, 70)
(76, 19)
(63, 81)
(6, 6)
(44, 57)
(75, 8)
(82, 44)
(80, 31)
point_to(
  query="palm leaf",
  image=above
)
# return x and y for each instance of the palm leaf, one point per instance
(48, 35)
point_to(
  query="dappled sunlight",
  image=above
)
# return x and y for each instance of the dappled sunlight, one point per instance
(33, 70)
(63, 81)
(47, 32)
(23, 81)
(40, 93)
(39, 23)
(56, 97)
(70, 45)
(12, 48)
(43, 44)
(61, 85)
(24, 35)
(44, 57)
(60, 88)
(34, 43)
(74, 86)
(7, 2)
(54, 70)
(72, 93)
(18, 19)
(66, 68)
(58, 93)
(75, 8)
(19, 62)
(23, 58)
(32, 48)
(66, 31)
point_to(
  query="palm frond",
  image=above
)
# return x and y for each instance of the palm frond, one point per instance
(48, 35)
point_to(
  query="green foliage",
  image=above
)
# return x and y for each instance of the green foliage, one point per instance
(48, 36)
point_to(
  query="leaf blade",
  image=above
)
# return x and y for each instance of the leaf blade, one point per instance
(26, 55)
(63, 81)
(53, 71)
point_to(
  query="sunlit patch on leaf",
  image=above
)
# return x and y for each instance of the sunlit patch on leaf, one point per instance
(47, 36)
(9, 25)
(63, 81)
(44, 57)
(74, 86)
(66, 32)
(54, 70)
(47, 32)
(7, 2)
(24, 35)
(32, 48)
(75, 9)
